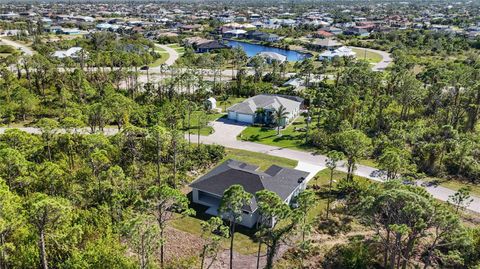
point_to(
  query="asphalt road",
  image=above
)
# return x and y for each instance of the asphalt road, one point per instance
(380, 66)
(17, 45)
(172, 54)
(226, 133)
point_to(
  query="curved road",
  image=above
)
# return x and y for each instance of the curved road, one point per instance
(17, 45)
(386, 58)
(226, 133)
(172, 54)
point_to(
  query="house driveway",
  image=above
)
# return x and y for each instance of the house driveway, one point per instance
(386, 58)
(226, 131)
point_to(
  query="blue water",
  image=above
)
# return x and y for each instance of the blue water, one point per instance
(253, 49)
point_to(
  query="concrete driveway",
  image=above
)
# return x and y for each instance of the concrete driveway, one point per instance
(226, 131)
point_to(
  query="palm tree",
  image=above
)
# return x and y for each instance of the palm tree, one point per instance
(224, 99)
(260, 114)
(279, 114)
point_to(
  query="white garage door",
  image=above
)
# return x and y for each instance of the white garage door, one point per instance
(244, 118)
(232, 115)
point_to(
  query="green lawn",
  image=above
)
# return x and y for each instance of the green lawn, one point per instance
(163, 58)
(230, 102)
(457, 184)
(205, 130)
(371, 57)
(243, 243)
(260, 159)
(177, 47)
(289, 137)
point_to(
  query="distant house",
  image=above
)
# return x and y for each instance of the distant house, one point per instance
(191, 28)
(325, 44)
(208, 190)
(73, 52)
(358, 31)
(15, 32)
(68, 31)
(202, 45)
(107, 27)
(260, 108)
(236, 33)
(294, 82)
(270, 57)
(210, 46)
(261, 36)
(333, 30)
(340, 52)
(323, 34)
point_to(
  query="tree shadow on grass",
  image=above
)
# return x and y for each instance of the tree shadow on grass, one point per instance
(202, 216)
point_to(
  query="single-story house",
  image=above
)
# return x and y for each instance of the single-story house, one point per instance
(340, 52)
(210, 46)
(294, 82)
(69, 31)
(332, 29)
(261, 36)
(323, 34)
(208, 189)
(73, 52)
(236, 33)
(272, 56)
(321, 44)
(260, 108)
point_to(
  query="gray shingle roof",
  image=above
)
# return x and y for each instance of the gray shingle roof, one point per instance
(280, 180)
(266, 101)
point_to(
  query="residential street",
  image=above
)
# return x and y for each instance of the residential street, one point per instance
(172, 54)
(226, 133)
(380, 66)
(18, 46)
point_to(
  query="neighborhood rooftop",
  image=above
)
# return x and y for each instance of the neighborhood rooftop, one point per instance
(280, 180)
(265, 101)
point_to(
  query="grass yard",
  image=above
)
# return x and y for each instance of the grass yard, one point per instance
(290, 138)
(163, 58)
(260, 159)
(177, 47)
(243, 243)
(206, 129)
(455, 184)
(371, 57)
(369, 162)
(230, 102)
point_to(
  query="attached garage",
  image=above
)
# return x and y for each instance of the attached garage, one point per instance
(245, 118)
(232, 115)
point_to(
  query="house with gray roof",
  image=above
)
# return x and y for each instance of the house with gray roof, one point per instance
(260, 108)
(208, 189)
